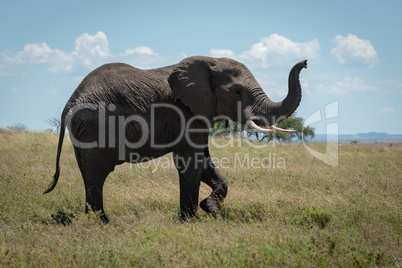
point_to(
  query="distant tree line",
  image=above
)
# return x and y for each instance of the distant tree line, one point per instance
(18, 127)
(54, 122)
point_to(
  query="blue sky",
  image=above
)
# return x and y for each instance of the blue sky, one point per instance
(353, 48)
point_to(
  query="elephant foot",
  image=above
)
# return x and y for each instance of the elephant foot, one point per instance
(211, 205)
(100, 214)
(188, 216)
(104, 218)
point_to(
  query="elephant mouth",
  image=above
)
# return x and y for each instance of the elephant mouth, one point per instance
(268, 129)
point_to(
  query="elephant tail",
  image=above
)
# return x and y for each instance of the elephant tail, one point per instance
(61, 137)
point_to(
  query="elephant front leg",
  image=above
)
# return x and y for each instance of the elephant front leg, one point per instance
(212, 177)
(190, 176)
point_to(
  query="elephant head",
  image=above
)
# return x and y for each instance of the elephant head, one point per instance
(216, 87)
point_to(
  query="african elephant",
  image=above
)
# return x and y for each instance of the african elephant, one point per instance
(120, 114)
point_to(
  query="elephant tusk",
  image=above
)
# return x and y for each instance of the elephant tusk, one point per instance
(257, 128)
(281, 130)
(269, 129)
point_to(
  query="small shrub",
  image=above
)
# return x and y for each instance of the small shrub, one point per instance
(63, 218)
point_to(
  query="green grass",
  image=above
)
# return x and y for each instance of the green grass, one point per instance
(300, 212)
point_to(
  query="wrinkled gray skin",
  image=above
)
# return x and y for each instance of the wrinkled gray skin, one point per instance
(204, 86)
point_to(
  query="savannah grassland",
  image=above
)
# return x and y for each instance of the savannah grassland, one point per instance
(305, 213)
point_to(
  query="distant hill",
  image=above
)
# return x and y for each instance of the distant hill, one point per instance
(371, 137)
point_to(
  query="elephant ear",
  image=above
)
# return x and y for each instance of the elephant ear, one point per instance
(190, 82)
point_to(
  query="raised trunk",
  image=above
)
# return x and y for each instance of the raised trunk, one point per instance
(278, 111)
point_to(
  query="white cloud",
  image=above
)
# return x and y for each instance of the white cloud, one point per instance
(222, 53)
(41, 53)
(141, 57)
(347, 85)
(90, 52)
(274, 50)
(277, 49)
(352, 50)
(140, 50)
(386, 111)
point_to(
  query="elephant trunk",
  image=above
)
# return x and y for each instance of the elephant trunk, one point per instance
(274, 112)
(279, 111)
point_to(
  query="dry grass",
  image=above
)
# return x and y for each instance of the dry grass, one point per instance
(302, 213)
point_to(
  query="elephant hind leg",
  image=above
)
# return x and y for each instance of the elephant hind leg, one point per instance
(95, 167)
(94, 198)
